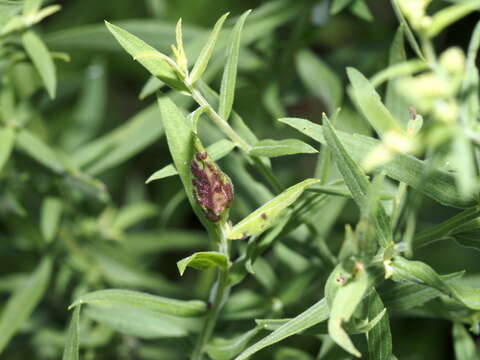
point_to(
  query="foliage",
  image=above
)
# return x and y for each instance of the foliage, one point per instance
(302, 202)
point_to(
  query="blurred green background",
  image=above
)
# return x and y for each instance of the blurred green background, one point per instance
(99, 94)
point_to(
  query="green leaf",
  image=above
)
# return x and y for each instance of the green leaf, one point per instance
(344, 304)
(369, 102)
(465, 348)
(357, 183)
(39, 151)
(439, 185)
(122, 143)
(408, 31)
(310, 317)
(133, 214)
(263, 218)
(158, 64)
(71, 350)
(203, 260)
(217, 151)
(207, 51)
(31, 6)
(275, 148)
(448, 227)
(394, 100)
(420, 273)
(447, 16)
(23, 301)
(339, 5)
(470, 108)
(142, 323)
(379, 337)
(226, 349)
(140, 300)
(180, 142)
(360, 8)
(320, 79)
(229, 78)
(42, 60)
(7, 139)
(399, 69)
(404, 296)
(50, 217)
(464, 164)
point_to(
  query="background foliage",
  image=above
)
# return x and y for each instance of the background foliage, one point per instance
(81, 133)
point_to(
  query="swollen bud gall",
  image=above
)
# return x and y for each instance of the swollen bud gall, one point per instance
(212, 189)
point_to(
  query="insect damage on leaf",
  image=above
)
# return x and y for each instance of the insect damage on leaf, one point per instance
(212, 189)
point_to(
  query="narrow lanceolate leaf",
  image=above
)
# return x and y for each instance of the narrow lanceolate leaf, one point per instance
(158, 64)
(310, 317)
(470, 109)
(371, 105)
(275, 148)
(420, 273)
(23, 301)
(180, 142)
(203, 260)
(408, 31)
(141, 323)
(379, 337)
(140, 300)
(50, 217)
(7, 139)
(357, 182)
(344, 304)
(207, 51)
(71, 350)
(320, 79)
(465, 348)
(30, 7)
(262, 218)
(229, 78)
(447, 16)
(404, 296)
(39, 151)
(226, 349)
(42, 60)
(217, 151)
(459, 223)
(439, 185)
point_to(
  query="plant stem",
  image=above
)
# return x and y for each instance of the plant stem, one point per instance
(221, 123)
(237, 139)
(221, 288)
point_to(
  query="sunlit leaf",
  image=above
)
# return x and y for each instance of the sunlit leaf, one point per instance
(229, 79)
(262, 218)
(139, 300)
(41, 58)
(203, 260)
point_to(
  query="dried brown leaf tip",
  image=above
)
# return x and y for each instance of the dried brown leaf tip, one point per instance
(212, 189)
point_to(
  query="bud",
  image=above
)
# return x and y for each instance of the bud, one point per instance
(415, 123)
(212, 189)
(453, 60)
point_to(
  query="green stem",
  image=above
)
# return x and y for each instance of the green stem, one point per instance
(221, 123)
(221, 288)
(237, 139)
